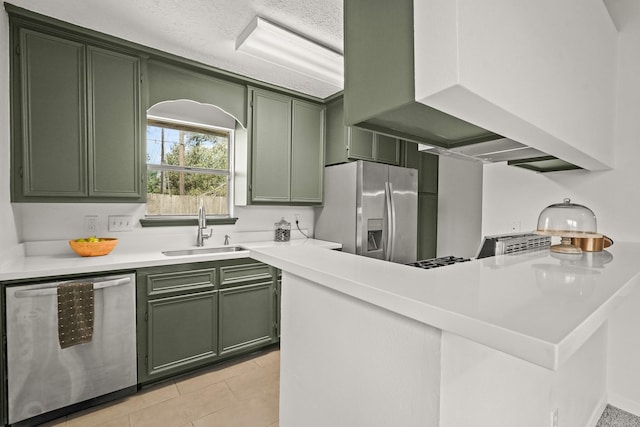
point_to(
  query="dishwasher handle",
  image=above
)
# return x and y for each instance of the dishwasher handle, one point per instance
(53, 289)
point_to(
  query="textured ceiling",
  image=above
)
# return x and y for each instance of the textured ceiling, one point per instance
(206, 30)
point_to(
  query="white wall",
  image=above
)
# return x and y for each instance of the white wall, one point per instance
(459, 207)
(63, 221)
(513, 194)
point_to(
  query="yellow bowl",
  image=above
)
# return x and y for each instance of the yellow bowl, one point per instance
(100, 248)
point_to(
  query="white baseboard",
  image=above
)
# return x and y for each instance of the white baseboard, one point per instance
(597, 412)
(625, 404)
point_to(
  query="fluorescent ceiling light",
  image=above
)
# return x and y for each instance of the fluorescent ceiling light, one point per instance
(282, 47)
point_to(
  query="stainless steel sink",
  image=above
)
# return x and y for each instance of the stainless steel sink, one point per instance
(201, 251)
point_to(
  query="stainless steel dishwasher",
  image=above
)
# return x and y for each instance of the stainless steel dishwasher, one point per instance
(45, 380)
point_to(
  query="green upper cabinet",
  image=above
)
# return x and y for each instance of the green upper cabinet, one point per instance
(76, 121)
(307, 152)
(347, 143)
(287, 149)
(114, 124)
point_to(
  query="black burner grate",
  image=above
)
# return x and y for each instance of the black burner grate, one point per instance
(438, 262)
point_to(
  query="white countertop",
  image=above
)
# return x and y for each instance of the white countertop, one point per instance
(538, 306)
(19, 266)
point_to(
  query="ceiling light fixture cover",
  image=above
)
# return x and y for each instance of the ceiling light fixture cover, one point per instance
(282, 47)
(567, 220)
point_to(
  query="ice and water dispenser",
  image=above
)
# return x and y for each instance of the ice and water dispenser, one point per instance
(374, 234)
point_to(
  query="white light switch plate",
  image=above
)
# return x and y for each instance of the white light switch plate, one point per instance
(120, 223)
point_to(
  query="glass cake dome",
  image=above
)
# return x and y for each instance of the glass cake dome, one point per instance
(567, 220)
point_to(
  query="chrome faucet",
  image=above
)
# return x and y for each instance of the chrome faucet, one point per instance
(202, 225)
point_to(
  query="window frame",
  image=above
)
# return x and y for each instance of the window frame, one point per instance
(159, 220)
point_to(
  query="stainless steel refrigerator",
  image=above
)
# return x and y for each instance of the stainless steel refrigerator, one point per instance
(372, 209)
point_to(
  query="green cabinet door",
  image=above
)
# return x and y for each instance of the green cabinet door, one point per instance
(427, 225)
(177, 316)
(182, 333)
(114, 123)
(360, 144)
(50, 157)
(307, 152)
(278, 299)
(247, 317)
(271, 147)
(387, 149)
(428, 176)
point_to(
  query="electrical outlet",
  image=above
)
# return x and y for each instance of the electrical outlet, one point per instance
(297, 217)
(90, 224)
(554, 418)
(120, 223)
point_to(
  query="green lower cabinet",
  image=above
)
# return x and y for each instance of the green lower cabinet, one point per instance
(247, 317)
(196, 314)
(182, 333)
(278, 299)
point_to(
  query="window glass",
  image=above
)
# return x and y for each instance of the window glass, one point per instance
(187, 165)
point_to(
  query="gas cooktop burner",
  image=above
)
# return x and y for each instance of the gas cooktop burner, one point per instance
(438, 262)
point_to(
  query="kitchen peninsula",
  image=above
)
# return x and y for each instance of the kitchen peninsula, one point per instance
(502, 341)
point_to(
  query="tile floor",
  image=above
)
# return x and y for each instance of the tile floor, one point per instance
(239, 393)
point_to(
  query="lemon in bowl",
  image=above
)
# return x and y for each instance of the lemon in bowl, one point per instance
(93, 246)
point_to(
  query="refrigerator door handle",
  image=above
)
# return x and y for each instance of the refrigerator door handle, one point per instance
(387, 225)
(392, 223)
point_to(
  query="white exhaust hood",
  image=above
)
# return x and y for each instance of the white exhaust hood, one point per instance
(491, 80)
